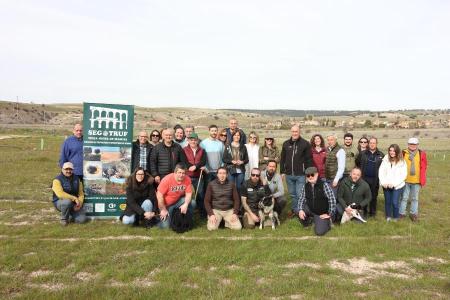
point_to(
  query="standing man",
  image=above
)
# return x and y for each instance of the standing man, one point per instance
(295, 158)
(222, 202)
(142, 149)
(334, 163)
(416, 161)
(174, 192)
(252, 191)
(369, 161)
(165, 156)
(195, 162)
(72, 151)
(273, 180)
(68, 195)
(317, 203)
(214, 152)
(232, 129)
(351, 152)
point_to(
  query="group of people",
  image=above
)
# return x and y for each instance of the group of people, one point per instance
(225, 176)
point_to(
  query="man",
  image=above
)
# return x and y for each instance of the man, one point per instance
(295, 158)
(196, 161)
(353, 194)
(72, 151)
(351, 152)
(416, 161)
(214, 153)
(334, 163)
(252, 191)
(369, 161)
(140, 156)
(232, 129)
(273, 180)
(222, 202)
(68, 195)
(174, 192)
(317, 203)
(165, 156)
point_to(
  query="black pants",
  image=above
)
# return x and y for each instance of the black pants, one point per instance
(321, 226)
(374, 185)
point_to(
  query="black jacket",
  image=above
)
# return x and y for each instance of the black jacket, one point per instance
(362, 158)
(164, 159)
(136, 196)
(228, 157)
(295, 157)
(135, 155)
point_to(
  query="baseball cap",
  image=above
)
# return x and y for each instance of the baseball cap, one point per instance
(311, 171)
(413, 141)
(193, 136)
(67, 165)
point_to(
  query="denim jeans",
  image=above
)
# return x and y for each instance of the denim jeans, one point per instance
(295, 185)
(146, 206)
(65, 206)
(237, 179)
(410, 189)
(166, 223)
(391, 202)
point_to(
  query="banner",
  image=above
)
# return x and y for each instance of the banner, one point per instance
(107, 142)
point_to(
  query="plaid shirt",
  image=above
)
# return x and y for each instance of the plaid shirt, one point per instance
(328, 193)
(143, 157)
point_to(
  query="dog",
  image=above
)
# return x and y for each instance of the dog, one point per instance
(265, 209)
(355, 214)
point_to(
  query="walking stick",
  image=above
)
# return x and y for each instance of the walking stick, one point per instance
(198, 184)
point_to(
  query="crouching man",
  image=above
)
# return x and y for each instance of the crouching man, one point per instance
(222, 202)
(68, 195)
(354, 195)
(316, 203)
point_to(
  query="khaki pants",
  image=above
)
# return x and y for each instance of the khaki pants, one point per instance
(225, 215)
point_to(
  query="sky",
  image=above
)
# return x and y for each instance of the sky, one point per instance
(346, 55)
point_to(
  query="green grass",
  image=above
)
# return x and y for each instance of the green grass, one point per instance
(104, 259)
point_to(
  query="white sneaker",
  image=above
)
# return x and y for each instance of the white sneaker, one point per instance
(388, 219)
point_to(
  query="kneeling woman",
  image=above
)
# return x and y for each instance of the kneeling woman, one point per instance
(140, 198)
(392, 175)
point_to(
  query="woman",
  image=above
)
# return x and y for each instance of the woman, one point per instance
(253, 153)
(392, 175)
(179, 136)
(223, 136)
(235, 158)
(363, 144)
(268, 152)
(319, 154)
(155, 137)
(140, 198)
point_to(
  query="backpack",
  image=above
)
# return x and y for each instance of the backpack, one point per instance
(181, 222)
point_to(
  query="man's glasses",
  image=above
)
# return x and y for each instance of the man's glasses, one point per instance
(71, 170)
(310, 175)
(256, 175)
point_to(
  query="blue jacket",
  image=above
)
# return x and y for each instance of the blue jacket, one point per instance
(72, 150)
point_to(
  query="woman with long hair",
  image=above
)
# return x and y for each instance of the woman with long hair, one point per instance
(268, 152)
(319, 154)
(155, 137)
(141, 198)
(392, 175)
(235, 158)
(253, 153)
(222, 136)
(363, 144)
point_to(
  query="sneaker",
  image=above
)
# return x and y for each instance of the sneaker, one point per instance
(64, 223)
(413, 217)
(388, 219)
(402, 216)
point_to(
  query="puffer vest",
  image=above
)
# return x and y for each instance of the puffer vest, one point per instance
(222, 195)
(70, 185)
(331, 163)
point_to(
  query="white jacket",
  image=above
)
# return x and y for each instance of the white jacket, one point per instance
(394, 174)
(253, 159)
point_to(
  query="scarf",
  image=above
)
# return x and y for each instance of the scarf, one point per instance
(412, 171)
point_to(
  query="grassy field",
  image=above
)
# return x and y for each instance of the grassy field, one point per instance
(104, 259)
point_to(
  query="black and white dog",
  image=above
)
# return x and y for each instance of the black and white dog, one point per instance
(265, 209)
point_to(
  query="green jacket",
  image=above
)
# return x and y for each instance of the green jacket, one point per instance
(361, 193)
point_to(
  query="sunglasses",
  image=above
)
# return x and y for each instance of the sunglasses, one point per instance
(68, 170)
(253, 137)
(140, 174)
(363, 142)
(155, 135)
(223, 135)
(310, 175)
(256, 175)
